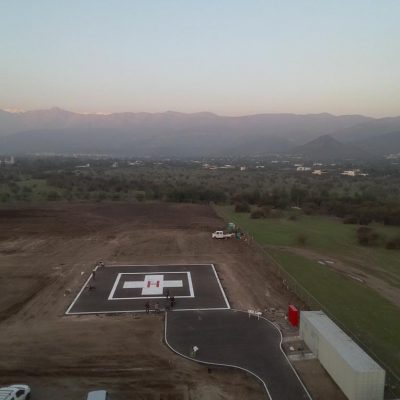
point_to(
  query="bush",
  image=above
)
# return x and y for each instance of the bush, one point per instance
(258, 213)
(393, 244)
(292, 217)
(350, 219)
(364, 220)
(276, 213)
(242, 208)
(366, 236)
(53, 196)
(140, 196)
(266, 210)
(302, 239)
(309, 208)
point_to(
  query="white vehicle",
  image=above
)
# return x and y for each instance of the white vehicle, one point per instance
(222, 235)
(98, 395)
(15, 392)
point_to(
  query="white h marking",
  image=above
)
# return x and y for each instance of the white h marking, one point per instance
(152, 284)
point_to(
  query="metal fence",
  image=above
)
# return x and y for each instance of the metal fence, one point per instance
(392, 380)
(392, 389)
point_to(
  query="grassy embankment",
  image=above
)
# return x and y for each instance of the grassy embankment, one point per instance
(362, 311)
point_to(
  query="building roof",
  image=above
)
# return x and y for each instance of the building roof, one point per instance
(353, 354)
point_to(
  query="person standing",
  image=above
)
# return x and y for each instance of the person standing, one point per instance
(147, 306)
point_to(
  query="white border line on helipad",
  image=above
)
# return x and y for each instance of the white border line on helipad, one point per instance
(80, 292)
(228, 307)
(143, 311)
(153, 265)
(191, 291)
(220, 286)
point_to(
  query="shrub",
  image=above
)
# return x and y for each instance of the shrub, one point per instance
(302, 239)
(292, 217)
(258, 213)
(366, 236)
(393, 243)
(266, 210)
(140, 196)
(242, 207)
(276, 213)
(53, 196)
(350, 219)
(364, 220)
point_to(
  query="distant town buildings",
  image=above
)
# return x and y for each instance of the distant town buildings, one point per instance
(7, 161)
(227, 166)
(392, 156)
(135, 163)
(353, 172)
(303, 169)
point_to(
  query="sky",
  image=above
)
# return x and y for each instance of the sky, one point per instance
(229, 57)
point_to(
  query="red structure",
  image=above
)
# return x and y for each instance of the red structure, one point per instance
(293, 315)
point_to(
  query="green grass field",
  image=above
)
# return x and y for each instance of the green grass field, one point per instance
(363, 312)
(326, 235)
(360, 310)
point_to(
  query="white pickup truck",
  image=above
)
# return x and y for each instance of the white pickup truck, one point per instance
(222, 235)
(15, 392)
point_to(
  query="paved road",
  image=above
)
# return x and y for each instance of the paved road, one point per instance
(230, 337)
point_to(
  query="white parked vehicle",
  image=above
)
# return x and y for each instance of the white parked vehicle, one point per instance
(98, 395)
(15, 392)
(222, 235)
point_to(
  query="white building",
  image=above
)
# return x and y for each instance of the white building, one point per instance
(354, 371)
(353, 172)
(8, 161)
(303, 169)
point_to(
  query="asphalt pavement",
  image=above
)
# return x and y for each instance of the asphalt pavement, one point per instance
(231, 338)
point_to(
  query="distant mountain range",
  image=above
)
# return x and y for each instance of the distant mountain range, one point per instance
(327, 148)
(173, 134)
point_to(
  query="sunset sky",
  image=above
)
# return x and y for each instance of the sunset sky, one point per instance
(225, 56)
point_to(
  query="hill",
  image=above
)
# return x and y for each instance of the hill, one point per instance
(388, 143)
(327, 148)
(367, 129)
(162, 134)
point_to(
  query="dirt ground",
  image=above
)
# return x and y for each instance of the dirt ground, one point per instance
(47, 253)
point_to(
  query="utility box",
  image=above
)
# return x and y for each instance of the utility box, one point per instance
(354, 371)
(293, 315)
(231, 227)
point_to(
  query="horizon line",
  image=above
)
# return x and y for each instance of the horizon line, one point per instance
(100, 113)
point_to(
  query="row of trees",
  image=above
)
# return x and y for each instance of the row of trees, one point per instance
(357, 200)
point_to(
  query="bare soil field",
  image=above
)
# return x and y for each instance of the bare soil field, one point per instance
(47, 253)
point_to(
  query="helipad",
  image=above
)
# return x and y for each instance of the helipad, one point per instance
(127, 288)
